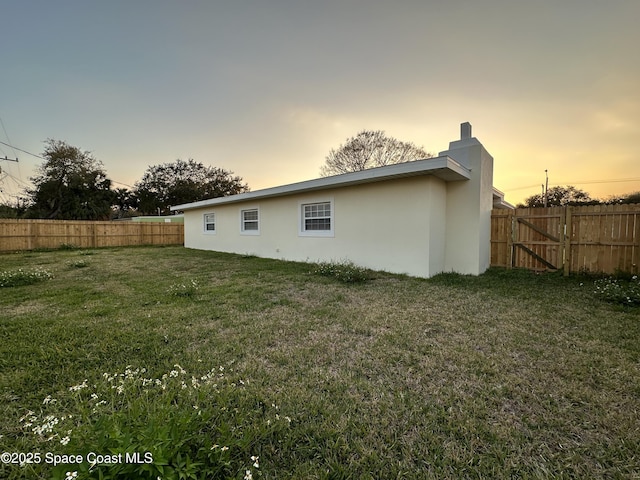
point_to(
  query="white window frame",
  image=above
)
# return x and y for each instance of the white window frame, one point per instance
(302, 230)
(243, 229)
(205, 223)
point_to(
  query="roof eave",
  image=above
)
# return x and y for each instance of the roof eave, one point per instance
(443, 167)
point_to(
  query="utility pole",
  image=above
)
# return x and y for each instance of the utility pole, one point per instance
(546, 188)
(6, 160)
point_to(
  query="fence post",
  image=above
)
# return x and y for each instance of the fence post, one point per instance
(636, 241)
(32, 236)
(510, 239)
(562, 223)
(36, 235)
(567, 241)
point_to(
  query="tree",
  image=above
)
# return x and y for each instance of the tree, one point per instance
(370, 149)
(70, 184)
(625, 199)
(560, 196)
(181, 182)
(125, 203)
(8, 211)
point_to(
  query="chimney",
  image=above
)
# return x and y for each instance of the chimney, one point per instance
(465, 130)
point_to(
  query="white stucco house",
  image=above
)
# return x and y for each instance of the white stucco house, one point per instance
(419, 218)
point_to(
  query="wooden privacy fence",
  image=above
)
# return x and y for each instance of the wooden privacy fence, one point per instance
(597, 238)
(33, 234)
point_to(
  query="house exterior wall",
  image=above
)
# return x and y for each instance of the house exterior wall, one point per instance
(397, 225)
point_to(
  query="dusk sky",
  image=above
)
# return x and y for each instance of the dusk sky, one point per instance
(266, 88)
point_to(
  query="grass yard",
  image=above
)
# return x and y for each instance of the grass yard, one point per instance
(506, 375)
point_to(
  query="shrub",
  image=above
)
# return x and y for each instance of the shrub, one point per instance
(344, 271)
(618, 290)
(131, 425)
(20, 277)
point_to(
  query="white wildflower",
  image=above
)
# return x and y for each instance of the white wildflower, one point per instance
(76, 388)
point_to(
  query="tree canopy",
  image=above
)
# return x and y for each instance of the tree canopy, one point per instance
(633, 197)
(560, 196)
(181, 182)
(369, 149)
(125, 203)
(69, 185)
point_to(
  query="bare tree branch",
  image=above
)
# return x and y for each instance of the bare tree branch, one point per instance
(370, 149)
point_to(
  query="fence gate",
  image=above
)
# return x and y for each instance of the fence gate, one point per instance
(595, 238)
(537, 240)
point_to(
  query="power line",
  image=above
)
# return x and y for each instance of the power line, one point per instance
(588, 182)
(16, 179)
(23, 151)
(120, 183)
(6, 135)
(583, 182)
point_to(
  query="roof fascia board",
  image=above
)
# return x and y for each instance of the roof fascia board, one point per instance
(443, 167)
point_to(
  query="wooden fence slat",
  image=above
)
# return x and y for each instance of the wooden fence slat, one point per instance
(19, 234)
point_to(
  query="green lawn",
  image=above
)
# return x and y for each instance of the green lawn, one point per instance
(506, 375)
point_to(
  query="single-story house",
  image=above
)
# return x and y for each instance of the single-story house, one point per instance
(420, 218)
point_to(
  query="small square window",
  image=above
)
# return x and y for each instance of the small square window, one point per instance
(210, 223)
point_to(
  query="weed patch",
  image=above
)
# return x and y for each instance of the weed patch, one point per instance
(184, 289)
(78, 263)
(344, 271)
(20, 277)
(621, 291)
(134, 425)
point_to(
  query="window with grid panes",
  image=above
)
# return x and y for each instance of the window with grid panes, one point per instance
(316, 216)
(210, 222)
(250, 221)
